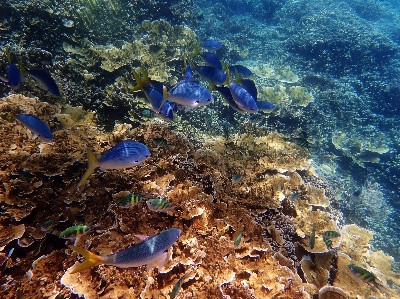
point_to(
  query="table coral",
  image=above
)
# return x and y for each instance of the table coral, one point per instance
(209, 208)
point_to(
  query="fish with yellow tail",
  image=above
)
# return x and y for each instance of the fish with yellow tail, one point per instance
(151, 252)
(123, 155)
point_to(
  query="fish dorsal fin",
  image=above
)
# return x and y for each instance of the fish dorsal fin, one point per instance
(141, 237)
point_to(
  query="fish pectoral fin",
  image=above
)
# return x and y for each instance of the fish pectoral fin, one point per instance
(158, 262)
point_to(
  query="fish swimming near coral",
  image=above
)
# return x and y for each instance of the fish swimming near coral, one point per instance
(37, 126)
(178, 285)
(150, 252)
(13, 76)
(209, 58)
(45, 81)
(236, 178)
(73, 231)
(130, 199)
(366, 276)
(159, 205)
(238, 239)
(123, 155)
(154, 96)
(190, 93)
(243, 71)
(331, 234)
(211, 45)
(312, 238)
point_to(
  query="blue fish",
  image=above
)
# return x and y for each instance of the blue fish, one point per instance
(243, 98)
(125, 154)
(154, 96)
(37, 127)
(226, 94)
(13, 76)
(156, 99)
(211, 45)
(188, 73)
(243, 71)
(150, 252)
(250, 86)
(265, 106)
(45, 81)
(217, 76)
(211, 59)
(189, 92)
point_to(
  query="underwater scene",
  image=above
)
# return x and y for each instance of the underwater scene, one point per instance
(200, 149)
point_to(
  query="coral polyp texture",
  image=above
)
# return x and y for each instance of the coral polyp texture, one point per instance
(275, 206)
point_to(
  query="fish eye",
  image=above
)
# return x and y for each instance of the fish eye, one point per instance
(209, 100)
(197, 102)
(136, 161)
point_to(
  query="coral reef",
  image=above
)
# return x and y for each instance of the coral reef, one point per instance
(210, 210)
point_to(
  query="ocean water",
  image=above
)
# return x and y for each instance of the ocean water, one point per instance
(331, 67)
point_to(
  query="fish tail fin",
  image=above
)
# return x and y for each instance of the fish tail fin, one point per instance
(196, 50)
(139, 82)
(92, 164)
(91, 259)
(165, 97)
(145, 74)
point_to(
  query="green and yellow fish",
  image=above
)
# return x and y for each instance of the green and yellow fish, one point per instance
(366, 276)
(178, 285)
(327, 241)
(159, 205)
(312, 239)
(130, 199)
(331, 234)
(238, 239)
(73, 231)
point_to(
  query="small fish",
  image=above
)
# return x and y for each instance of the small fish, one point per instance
(211, 59)
(159, 205)
(302, 142)
(243, 98)
(215, 75)
(265, 106)
(161, 142)
(125, 154)
(37, 127)
(225, 92)
(188, 71)
(13, 76)
(237, 178)
(238, 239)
(24, 175)
(366, 276)
(178, 285)
(159, 106)
(328, 242)
(331, 234)
(357, 194)
(190, 93)
(146, 112)
(249, 85)
(211, 45)
(312, 238)
(130, 199)
(47, 225)
(294, 195)
(150, 252)
(73, 231)
(45, 81)
(243, 71)
(225, 128)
